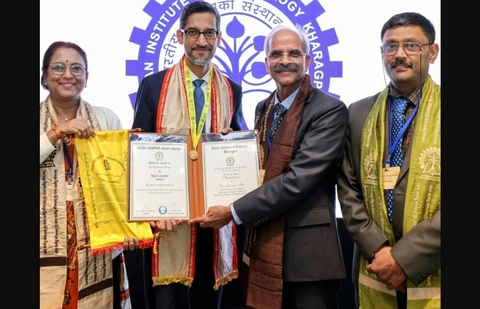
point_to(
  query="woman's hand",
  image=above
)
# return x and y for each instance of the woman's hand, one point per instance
(130, 243)
(74, 127)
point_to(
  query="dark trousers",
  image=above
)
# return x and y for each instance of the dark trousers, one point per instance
(307, 295)
(139, 264)
(401, 300)
(199, 295)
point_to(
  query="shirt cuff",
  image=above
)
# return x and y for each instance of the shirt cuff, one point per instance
(234, 215)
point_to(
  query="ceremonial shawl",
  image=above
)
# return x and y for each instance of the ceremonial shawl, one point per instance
(264, 244)
(103, 164)
(95, 272)
(422, 198)
(174, 252)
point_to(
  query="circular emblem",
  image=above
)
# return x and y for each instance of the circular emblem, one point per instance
(240, 55)
(162, 210)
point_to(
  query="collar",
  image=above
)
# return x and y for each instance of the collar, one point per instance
(289, 100)
(413, 97)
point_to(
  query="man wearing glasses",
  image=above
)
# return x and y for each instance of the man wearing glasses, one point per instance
(292, 246)
(389, 188)
(188, 267)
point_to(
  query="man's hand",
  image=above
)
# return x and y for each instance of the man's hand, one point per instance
(225, 131)
(216, 217)
(387, 269)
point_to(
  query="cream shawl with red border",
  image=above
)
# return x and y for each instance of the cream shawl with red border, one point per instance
(174, 252)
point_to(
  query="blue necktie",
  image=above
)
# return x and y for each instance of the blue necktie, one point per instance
(399, 107)
(280, 111)
(199, 99)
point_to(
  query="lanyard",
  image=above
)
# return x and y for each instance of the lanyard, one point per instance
(69, 160)
(393, 145)
(196, 132)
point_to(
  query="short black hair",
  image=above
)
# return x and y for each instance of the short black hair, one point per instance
(199, 7)
(410, 18)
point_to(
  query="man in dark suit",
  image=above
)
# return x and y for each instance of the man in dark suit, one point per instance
(292, 244)
(165, 104)
(397, 254)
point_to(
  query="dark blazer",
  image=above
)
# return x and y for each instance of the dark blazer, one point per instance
(418, 251)
(146, 103)
(305, 193)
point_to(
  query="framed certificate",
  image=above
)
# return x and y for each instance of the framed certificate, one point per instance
(158, 177)
(230, 166)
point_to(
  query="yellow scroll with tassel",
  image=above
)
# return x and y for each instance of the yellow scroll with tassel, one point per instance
(103, 167)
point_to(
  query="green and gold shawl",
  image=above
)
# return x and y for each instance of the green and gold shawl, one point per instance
(422, 197)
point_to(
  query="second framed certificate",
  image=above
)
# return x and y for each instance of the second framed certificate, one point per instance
(230, 166)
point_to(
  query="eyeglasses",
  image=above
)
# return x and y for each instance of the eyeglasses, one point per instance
(410, 48)
(193, 33)
(293, 54)
(59, 69)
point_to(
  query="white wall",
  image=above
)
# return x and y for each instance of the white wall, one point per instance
(104, 28)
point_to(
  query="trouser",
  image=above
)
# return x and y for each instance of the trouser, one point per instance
(315, 294)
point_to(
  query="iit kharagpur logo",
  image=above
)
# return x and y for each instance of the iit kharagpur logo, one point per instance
(240, 54)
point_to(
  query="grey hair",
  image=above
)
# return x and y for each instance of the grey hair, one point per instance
(296, 29)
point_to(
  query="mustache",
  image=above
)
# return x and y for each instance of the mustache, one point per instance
(285, 68)
(401, 63)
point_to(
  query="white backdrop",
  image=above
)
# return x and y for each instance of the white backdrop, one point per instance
(104, 29)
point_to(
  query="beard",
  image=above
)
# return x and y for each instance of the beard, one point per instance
(201, 61)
